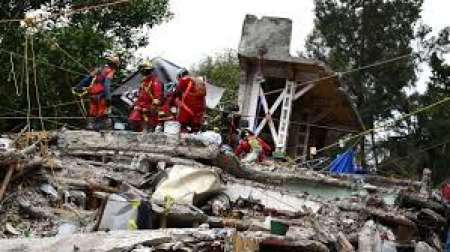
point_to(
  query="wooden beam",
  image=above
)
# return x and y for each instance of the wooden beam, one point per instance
(272, 110)
(7, 178)
(304, 90)
(253, 100)
(268, 115)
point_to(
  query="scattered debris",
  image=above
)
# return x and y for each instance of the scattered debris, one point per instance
(81, 183)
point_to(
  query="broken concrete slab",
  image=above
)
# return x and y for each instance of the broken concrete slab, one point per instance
(124, 142)
(369, 239)
(267, 32)
(271, 198)
(113, 241)
(189, 185)
(423, 247)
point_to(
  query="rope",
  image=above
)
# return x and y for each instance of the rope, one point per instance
(338, 74)
(12, 74)
(82, 109)
(43, 62)
(416, 152)
(36, 85)
(92, 7)
(10, 20)
(388, 124)
(51, 106)
(65, 52)
(44, 118)
(305, 124)
(27, 82)
(70, 13)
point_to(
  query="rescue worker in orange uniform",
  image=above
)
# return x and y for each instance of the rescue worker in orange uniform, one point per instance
(145, 111)
(253, 147)
(98, 86)
(191, 101)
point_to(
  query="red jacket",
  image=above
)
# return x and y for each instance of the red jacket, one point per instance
(245, 147)
(192, 95)
(151, 88)
(98, 87)
(445, 191)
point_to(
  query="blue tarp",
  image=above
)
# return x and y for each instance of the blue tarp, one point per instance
(345, 164)
(448, 241)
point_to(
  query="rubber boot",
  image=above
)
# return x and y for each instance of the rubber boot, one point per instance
(97, 124)
(108, 123)
(90, 124)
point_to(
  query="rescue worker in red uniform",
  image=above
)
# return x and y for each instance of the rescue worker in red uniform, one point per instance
(145, 111)
(98, 86)
(190, 95)
(253, 147)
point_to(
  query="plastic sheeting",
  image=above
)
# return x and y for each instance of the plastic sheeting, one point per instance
(167, 72)
(187, 184)
(448, 241)
(213, 95)
(344, 164)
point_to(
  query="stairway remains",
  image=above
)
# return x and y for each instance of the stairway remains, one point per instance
(285, 117)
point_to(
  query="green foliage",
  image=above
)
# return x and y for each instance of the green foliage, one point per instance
(433, 126)
(222, 70)
(85, 36)
(427, 144)
(349, 34)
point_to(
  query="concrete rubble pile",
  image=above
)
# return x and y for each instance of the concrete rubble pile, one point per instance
(125, 191)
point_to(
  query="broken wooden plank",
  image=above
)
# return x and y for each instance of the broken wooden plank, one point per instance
(28, 167)
(391, 218)
(343, 244)
(229, 163)
(6, 180)
(298, 245)
(413, 200)
(35, 211)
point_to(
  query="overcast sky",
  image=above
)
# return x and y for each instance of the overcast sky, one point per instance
(204, 27)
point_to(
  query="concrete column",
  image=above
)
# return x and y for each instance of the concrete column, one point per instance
(253, 101)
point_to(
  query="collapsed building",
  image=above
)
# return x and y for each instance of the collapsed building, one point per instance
(125, 191)
(298, 102)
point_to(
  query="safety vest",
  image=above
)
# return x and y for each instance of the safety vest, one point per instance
(98, 84)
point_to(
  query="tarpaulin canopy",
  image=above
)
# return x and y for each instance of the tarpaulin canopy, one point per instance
(167, 73)
(344, 163)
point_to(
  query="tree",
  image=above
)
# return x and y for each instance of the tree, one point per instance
(221, 70)
(427, 141)
(350, 34)
(434, 124)
(64, 49)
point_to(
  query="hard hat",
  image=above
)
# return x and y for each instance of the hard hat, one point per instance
(113, 59)
(182, 72)
(146, 65)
